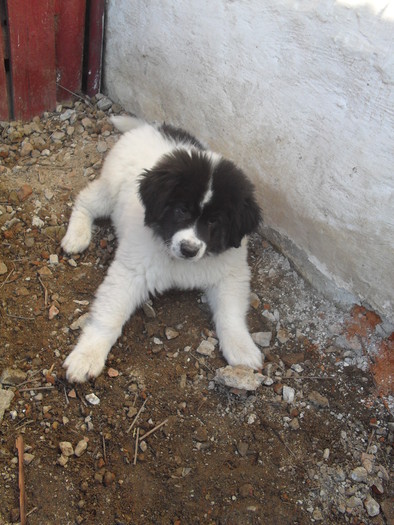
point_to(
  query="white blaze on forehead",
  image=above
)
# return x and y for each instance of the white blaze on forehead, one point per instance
(208, 195)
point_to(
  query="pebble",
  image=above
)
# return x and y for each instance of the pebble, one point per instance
(283, 335)
(3, 268)
(143, 446)
(359, 474)
(254, 301)
(37, 222)
(62, 460)
(12, 376)
(92, 399)
(72, 263)
(294, 424)
(293, 359)
(81, 448)
(27, 458)
(109, 478)
(242, 378)
(326, 453)
(112, 372)
(201, 434)
(66, 448)
(53, 312)
(288, 394)
(353, 502)
(262, 339)
(148, 310)
(102, 146)
(242, 448)
(80, 322)
(171, 333)
(24, 192)
(53, 259)
(206, 348)
(246, 490)
(318, 400)
(372, 506)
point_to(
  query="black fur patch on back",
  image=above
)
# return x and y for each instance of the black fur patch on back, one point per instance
(179, 135)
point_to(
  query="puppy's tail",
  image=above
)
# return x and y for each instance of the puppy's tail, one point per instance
(124, 123)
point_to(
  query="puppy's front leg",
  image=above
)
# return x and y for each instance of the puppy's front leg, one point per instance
(229, 301)
(121, 292)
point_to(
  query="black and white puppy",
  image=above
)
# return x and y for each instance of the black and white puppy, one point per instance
(182, 215)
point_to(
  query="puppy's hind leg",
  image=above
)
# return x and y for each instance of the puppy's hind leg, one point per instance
(94, 201)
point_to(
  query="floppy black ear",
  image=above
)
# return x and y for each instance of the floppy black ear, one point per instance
(245, 221)
(155, 187)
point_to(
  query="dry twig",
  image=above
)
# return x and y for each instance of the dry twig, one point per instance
(22, 491)
(153, 430)
(136, 446)
(45, 292)
(137, 416)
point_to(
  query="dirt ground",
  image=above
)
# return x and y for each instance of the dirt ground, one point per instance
(223, 456)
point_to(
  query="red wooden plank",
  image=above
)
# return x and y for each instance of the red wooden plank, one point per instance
(95, 47)
(4, 111)
(70, 30)
(32, 53)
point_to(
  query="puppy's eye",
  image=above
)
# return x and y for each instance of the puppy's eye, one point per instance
(181, 212)
(212, 221)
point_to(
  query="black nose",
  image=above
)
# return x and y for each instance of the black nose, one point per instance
(189, 250)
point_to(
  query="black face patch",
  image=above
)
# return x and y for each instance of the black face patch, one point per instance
(173, 192)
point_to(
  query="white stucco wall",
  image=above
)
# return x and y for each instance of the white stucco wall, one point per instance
(300, 94)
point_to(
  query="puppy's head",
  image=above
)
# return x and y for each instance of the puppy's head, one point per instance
(198, 203)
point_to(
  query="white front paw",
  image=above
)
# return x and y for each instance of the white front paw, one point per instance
(77, 238)
(84, 363)
(242, 351)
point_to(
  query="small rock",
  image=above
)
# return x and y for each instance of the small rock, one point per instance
(283, 335)
(86, 123)
(92, 399)
(388, 509)
(367, 461)
(268, 315)
(254, 301)
(317, 515)
(53, 312)
(372, 506)
(26, 149)
(37, 222)
(149, 311)
(242, 448)
(109, 478)
(268, 381)
(171, 333)
(80, 322)
(72, 263)
(239, 377)
(262, 339)
(206, 348)
(201, 434)
(53, 259)
(293, 359)
(353, 502)
(318, 400)
(45, 272)
(24, 192)
(58, 135)
(112, 372)
(66, 448)
(104, 104)
(102, 146)
(143, 446)
(3, 268)
(288, 394)
(246, 490)
(326, 453)
(359, 474)
(27, 458)
(294, 424)
(12, 376)
(81, 447)
(62, 460)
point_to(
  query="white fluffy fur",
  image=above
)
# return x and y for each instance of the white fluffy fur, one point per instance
(144, 265)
